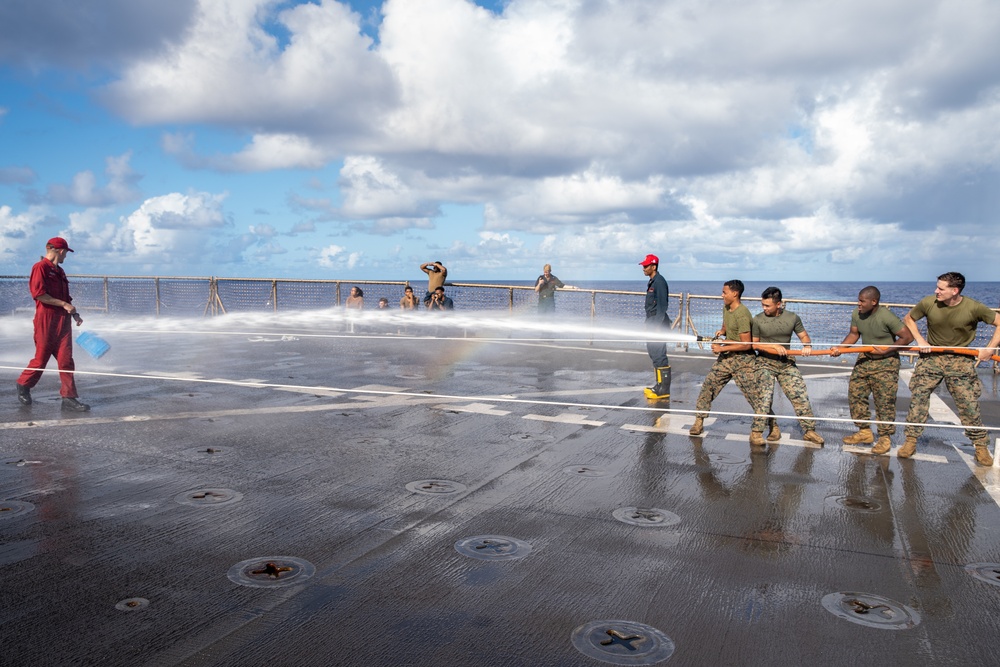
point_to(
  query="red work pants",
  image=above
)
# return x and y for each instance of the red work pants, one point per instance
(53, 336)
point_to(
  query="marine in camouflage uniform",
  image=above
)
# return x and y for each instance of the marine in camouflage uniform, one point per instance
(875, 373)
(736, 362)
(772, 335)
(952, 321)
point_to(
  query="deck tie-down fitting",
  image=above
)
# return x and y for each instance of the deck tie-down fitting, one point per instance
(621, 640)
(272, 570)
(863, 607)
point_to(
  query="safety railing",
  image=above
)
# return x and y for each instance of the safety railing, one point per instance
(826, 321)
(192, 296)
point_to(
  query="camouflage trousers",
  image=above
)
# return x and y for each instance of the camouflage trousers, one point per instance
(741, 369)
(878, 378)
(789, 378)
(959, 375)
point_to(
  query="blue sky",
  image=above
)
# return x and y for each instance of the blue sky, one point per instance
(778, 140)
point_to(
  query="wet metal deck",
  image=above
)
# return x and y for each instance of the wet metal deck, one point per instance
(323, 476)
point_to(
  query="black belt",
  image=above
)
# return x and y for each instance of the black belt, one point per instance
(775, 357)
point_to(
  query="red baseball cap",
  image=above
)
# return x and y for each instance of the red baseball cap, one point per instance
(59, 243)
(650, 259)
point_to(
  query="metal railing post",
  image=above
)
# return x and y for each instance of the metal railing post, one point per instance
(156, 289)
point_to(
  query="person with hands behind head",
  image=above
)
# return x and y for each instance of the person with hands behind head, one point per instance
(436, 275)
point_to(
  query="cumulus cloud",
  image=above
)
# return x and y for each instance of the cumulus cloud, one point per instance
(700, 125)
(18, 232)
(40, 33)
(19, 175)
(229, 69)
(168, 229)
(263, 153)
(335, 256)
(85, 191)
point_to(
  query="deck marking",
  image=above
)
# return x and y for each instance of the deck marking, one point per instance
(565, 418)
(930, 458)
(683, 429)
(789, 441)
(988, 477)
(476, 408)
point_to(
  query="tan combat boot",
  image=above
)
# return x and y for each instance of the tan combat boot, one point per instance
(881, 447)
(698, 427)
(983, 457)
(908, 449)
(757, 439)
(862, 437)
(813, 437)
(774, 434)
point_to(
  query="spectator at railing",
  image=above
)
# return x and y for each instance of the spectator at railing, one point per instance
(357, 299)
(439, 301)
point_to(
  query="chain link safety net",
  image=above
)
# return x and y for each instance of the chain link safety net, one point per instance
(827, 322)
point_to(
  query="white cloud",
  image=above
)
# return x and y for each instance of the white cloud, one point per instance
(18, 232)
(227, 69)
(170, 229)
(84, 190)
(698, 125)
(329, 254)
(21, 175)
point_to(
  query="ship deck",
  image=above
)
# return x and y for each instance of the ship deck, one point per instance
(592, 527)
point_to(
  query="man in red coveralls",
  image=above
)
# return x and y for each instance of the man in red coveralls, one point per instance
(53, 328)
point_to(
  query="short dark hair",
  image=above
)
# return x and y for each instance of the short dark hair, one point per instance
(438, 289)
(735, 285)
(772, 293)
(870, 292)
(954, 279)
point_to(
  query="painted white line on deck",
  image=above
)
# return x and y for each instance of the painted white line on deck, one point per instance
(785, 440)
(81, 421)
(565, 418)
(937, 410)
(930, 458)
(580, 392)
(988, 477)
(663, 426)
(476, 408)
(311, 392)
(816, 376)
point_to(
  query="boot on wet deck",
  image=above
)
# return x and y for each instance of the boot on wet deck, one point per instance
(661, 390)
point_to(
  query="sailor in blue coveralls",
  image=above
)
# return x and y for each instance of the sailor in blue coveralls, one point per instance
(657, 319)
